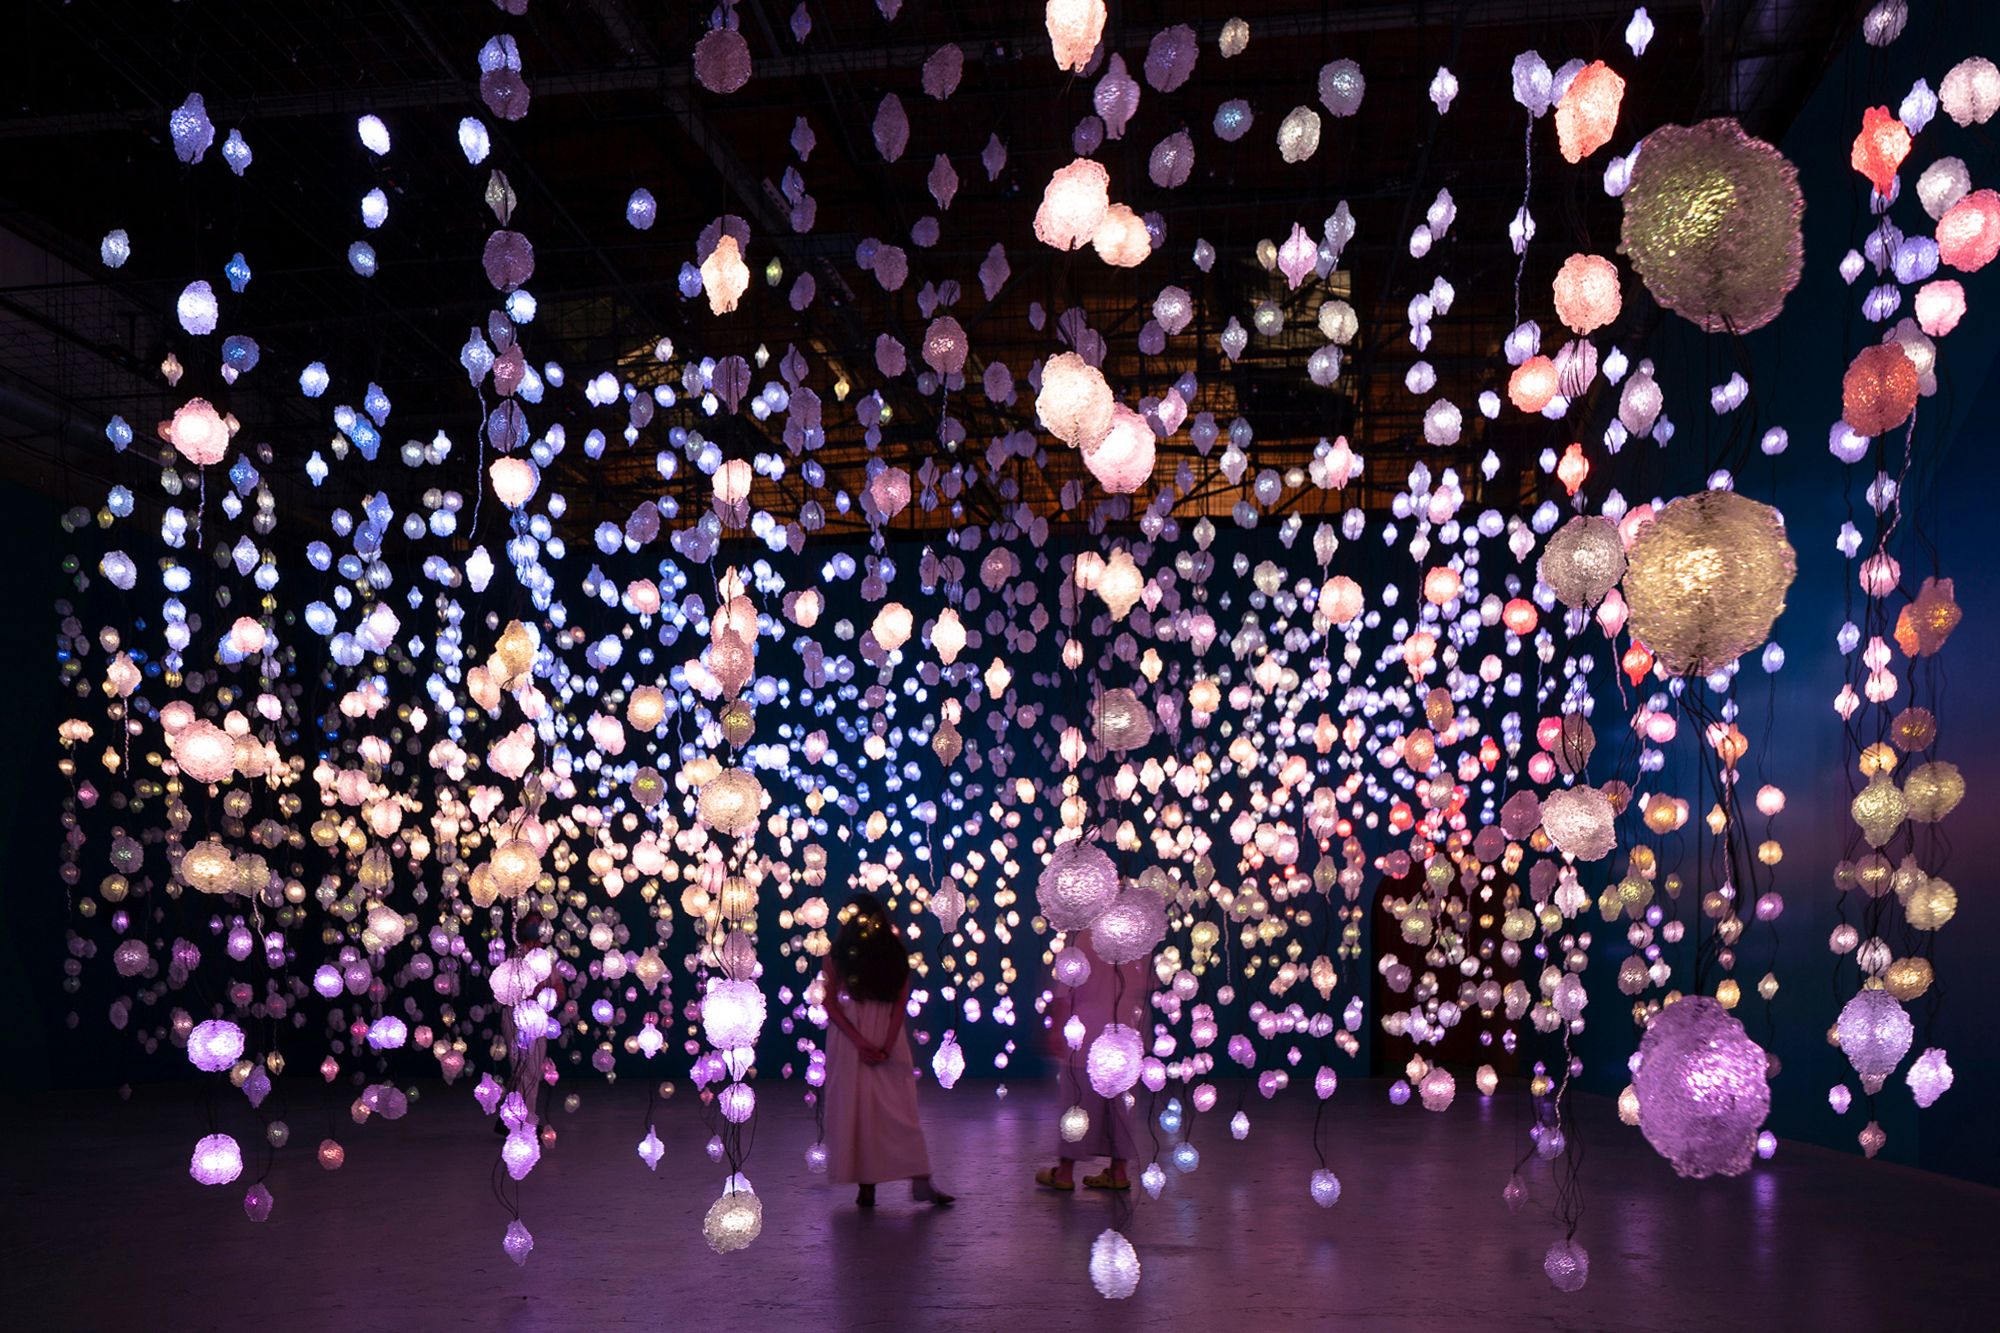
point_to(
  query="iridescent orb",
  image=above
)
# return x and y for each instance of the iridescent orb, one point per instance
(1121, 722)
(1712, 224)
(1076, 887)
(733, 1221)
(1706, 579)
(1131, 928)
(1580, 822)
(1702, 1088)
(1113, 1060)
(1325, 1188)
(1874, 1032)
(1114, 1266)
(1583, 560)
(1567, 1265)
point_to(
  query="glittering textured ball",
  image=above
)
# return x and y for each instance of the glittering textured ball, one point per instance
(1879, 390)
(1112, 1063)
(216, 1160)
(1874, 1032)
(1586, 291)
(1073, 205)
(1583, 560)
(1712, 224)
(1131, 928)
(1706, 580)
(1114, 1266)
(733, 1221)
(1074, 403)
(1325, 1188)
(722, 60)
(1120, 721)
(730, 802)
(1567, 1265)
(1702, 1087)
(1580, 822)
(1076, 887)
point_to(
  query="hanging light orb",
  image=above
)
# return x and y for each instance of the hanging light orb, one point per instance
(1968, 235)
(1076, 886)
(1074, 204)
(1112, 1063)
(1074, 27)
(1583, 561)
(1074, 403)
(1874, 1032)
(1122, 461)
(1587, 295)
(1587, 113)
(1706, 580)
(730, 802)
(1114, 1266)
(1702, 1086)
(733, 1221)
(1879, 390)
(1712, 224)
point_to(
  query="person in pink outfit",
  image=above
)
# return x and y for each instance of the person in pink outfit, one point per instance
(872, 1130)
(1108, 994)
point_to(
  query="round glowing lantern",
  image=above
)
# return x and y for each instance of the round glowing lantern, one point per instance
(1131, 928)
(205, 752)
(1076, 886)
(1970, 92)
(1587, 295)
(1533, 384)
(1880, 147)
(1074, 403)
(198, 433)
(733, 1221)
(1074, 27)
(217, 1160)
(1584, 560)
(1120, 721)
(1874, 1032)
(893, 626)
(1122, 461)
(1112, 1063)
(948, 636)
(1879, 390)
(215, 1045)
(1968, 235)
(1712, 224)
(1703, 1088)
(730, 802)
(1579, 821)
(1074, 204)
(724, 275)
(514, 481)
(1587, 113)
(1120, 238)
(1114, 1266)
(1340, 599)
(1706, 579)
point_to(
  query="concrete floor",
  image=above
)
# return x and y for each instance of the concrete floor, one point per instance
(102, 1228)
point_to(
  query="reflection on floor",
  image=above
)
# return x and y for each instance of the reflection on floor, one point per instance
(104, 1229)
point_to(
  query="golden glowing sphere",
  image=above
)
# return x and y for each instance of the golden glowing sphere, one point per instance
(1706, 579)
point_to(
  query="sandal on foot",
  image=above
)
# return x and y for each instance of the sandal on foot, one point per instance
(1047, 1179)
(1104, 1180)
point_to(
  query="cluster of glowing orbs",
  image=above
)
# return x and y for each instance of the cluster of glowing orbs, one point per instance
(1074, 205)
(1077, 886)
(1703, 1088)
(1712, 224)
(1586, 292)
(1706, 579)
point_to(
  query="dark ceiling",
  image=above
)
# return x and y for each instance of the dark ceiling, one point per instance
(615, 107)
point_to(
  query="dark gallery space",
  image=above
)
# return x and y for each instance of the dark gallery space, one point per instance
(937, 664)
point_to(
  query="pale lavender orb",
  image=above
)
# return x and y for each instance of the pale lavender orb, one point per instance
(197, 308)
(1437, 1089)
(1515, 1194)
(518, 1241)
(1325, 1188)
(257, 1203)
(1341, 87)
(1072, 966)
(191, 129)
(1875, 1033)
(215, 1045)
(1703, 1088)
(1929, 1076)
(816, 1159)
(1113, 1061)
(216, 1161)
(1170, 57)
(1131, 928)
(1114, 1266)
(1076, 886)
(1567, 1264)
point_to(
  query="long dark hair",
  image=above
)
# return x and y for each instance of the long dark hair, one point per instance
(869, 952)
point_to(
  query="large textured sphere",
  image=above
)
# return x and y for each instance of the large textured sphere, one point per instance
(1567, 1264)
(1706, 579)
(1875, 1033)
(1583, 560)
(1073, 205)
(1074, 404)
(722, 60)
(732, 1014)
(1879, 390)
(1712, 224)
(733, 1221)
(1077, 886)
(1702, 1087)
(1587, 296)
